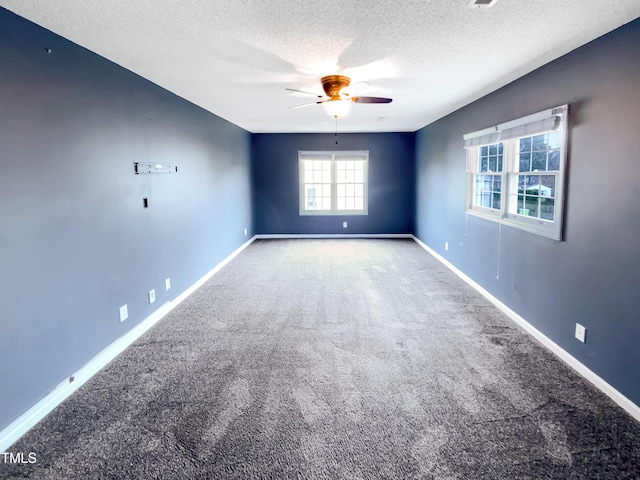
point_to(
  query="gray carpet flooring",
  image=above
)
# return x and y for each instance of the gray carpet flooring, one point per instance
(334, 359)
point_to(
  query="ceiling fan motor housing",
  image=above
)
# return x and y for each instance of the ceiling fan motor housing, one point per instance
(332, 84)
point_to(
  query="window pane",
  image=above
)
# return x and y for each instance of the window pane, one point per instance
(350, 203)
(493, 149)
(496, 201)
(340, 190)
(532, 183)
(308, 176)
(539, 161)
(326, 191)
(500, 161)
(487, 191)
(547, 186)
(484, 151)
(536, 196)
(350, 191)
(359, 176)
(359, 203)
(358, 190)
(525, 162)
(493, 163)
(310, 197)
(484, 164)
(547, 207)
(554, 160)
(525, 144)
(539, 142)
(531, 204)
(553, 140)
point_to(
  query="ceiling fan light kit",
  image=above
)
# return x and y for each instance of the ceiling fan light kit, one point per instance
(337, 108)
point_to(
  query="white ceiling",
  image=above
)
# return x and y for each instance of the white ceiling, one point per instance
(236, 57)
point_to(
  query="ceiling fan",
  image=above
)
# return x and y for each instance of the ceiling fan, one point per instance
(336, 102)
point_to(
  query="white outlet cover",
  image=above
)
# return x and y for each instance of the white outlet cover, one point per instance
(167, 284)
(446, 246)
(245, 232)
(581, 332)
(152, 296)
(344, 224)
(124, 312)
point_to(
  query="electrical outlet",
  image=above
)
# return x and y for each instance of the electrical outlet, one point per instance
(581, 333)
(152, 296)
(446, 246)
(167, 284)
(124, 312)
(344, 224)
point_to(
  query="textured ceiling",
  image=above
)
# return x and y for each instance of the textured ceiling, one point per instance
(236, 57)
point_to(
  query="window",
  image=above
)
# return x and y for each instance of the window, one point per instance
(333, 183)
(515, 172)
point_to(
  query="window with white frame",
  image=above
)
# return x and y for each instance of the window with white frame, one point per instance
(333, 183)
(515, 172)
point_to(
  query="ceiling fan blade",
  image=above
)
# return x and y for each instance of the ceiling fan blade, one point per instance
(302, 91)
(371, 100)
(306, 105)
(356, 89)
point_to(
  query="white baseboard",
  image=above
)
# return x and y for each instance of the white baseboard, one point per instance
(31, 417)
(26, 421)
(332, 235)
(615, 395)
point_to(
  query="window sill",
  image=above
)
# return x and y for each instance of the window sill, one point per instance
(537, 226)
(329, 213)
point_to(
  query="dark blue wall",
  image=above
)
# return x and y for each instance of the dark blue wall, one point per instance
(593, 276)
(75, 241)
(391, 183)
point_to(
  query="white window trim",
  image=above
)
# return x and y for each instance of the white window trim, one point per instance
(331, 155)
(554, 119)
